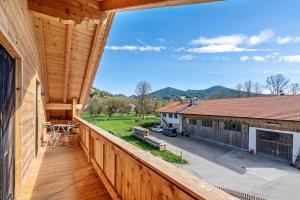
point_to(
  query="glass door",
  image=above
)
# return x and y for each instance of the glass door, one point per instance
(7, 128)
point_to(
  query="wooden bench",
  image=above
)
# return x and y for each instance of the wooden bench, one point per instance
(143, 134)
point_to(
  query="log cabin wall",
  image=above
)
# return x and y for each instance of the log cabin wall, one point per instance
(17, 36)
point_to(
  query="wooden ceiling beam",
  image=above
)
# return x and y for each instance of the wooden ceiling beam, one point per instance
(100, 37)
(61, 106)
(67, 62)
(77, 11)
(117, 5)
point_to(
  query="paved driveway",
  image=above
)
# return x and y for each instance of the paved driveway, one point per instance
(236, 170)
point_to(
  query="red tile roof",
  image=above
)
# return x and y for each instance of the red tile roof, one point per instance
(174, 107)
(268, 107)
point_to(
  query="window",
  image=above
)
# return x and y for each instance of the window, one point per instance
(170, 115)
(175, 116)
(233, 126)
(207, 123)
(192, 121)
(164, 115)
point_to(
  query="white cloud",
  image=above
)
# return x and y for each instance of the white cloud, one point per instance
(179, 49)
(222, 48)
(229, 43)
(221, 40)
(256, 58)
(136, 48)
(262, 37)
(288, 39)
(259, 58)
(244, 58)
(186, 57)
(290, 59)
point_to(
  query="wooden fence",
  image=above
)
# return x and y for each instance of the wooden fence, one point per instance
(131, 173)
(240, 195)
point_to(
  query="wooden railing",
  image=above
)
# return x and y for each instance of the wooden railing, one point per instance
(131, 173)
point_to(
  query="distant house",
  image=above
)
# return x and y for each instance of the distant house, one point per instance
(267, 125)
(171, 113)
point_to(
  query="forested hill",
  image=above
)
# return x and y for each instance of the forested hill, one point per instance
(171, 93)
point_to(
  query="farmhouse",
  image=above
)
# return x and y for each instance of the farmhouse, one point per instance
(267, 125)
(171, 113)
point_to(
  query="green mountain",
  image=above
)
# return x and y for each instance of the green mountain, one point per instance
(212, 92)
(168, 93)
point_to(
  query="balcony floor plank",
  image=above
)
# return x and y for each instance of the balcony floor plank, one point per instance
(63, 173)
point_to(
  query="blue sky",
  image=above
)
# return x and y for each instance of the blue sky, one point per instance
(198, 46)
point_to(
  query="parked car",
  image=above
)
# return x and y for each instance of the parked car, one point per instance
(158, 129)
(171, 132)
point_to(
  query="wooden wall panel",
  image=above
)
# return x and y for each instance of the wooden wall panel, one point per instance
(217, 133)
(17, 35)
(261, 123)
(109, 162)
(99, 153)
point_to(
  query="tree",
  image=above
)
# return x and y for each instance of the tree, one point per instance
(248, 88)
(142, 91)
(277, 84)
(239, 92)
(95, 105)
(111, 106)
(257, 89)
(295, 88)
(219, 94)
(123, 105)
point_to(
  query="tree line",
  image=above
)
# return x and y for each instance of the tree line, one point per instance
(274, 85)
(102, 102)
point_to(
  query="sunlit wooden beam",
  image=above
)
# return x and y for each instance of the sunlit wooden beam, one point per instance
(116, 5)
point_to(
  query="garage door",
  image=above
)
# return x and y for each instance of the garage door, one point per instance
(274, 144)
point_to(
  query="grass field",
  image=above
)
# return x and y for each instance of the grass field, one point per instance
(122, 125)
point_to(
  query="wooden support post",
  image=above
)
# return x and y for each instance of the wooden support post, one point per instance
(91, 147)
(74, 111)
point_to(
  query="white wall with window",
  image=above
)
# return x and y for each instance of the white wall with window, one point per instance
(173, 120)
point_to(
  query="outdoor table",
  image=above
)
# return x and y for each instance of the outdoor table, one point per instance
(60, 129)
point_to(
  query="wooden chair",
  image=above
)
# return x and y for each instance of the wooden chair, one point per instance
(70, 134)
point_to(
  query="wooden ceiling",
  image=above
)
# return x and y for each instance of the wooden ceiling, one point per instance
(71, 36)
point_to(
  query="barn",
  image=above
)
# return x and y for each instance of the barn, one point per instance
(267, 125)
(170, 114)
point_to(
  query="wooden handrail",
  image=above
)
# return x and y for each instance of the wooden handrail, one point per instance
(128, 171)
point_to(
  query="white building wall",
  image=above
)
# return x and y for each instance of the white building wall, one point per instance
(252, 139)
(173, 120)
(296, 140)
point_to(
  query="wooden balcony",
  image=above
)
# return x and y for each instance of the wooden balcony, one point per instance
(131, 173)
(106, 167)
(63, 173)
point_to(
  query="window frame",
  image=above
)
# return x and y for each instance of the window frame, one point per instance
(233, 126)
(208, 123)
(194, 122)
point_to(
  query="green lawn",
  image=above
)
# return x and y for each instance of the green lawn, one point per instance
(122, 125)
